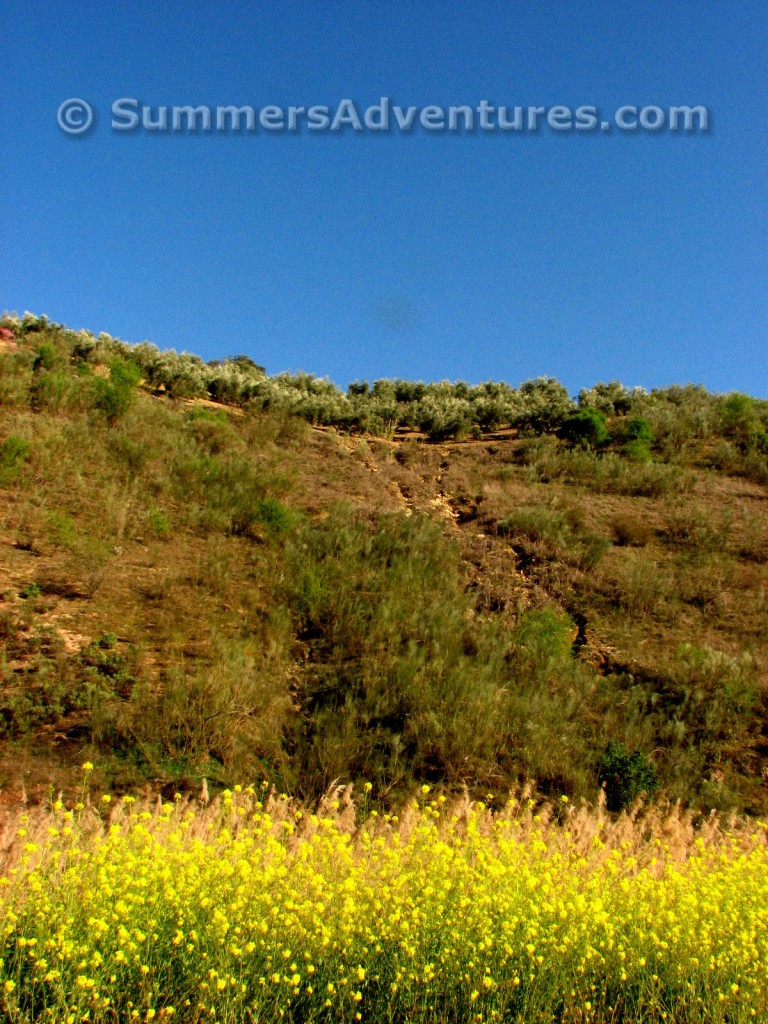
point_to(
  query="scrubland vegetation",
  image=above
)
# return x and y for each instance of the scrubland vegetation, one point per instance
(193, 589)
(208, 573)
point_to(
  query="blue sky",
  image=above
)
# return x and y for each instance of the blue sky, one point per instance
(426, 255)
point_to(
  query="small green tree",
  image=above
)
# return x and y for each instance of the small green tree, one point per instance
(585, 428)
(46, 358)
(639, 429)
(741, 420)
(625, 775)
(113, 396)
(639, 438)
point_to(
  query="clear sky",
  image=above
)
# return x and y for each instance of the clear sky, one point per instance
(427, 255)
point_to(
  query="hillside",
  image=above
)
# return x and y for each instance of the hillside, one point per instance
(206, 572)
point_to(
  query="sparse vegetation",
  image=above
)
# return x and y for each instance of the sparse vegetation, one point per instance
(210, 572)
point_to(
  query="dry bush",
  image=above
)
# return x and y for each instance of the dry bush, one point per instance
(631, 531)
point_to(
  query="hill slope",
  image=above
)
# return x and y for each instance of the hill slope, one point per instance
(206, 572)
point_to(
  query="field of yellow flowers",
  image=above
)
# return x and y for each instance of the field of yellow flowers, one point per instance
(252, 908)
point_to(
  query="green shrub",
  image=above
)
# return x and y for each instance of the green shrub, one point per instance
(61, 530)
(104, 672)
(14, 452)
(585, 428)
(638, 437)
(639, 429)
(41, 700)
(211, 429)
(752, 537)
(625, 775)
(637, 451)
(158, 521)
(730, 458)
(47, 358)
(274, 515)
(114, 395)
(705, 712)
(544, 638)
(130, 453)
(745, 419)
